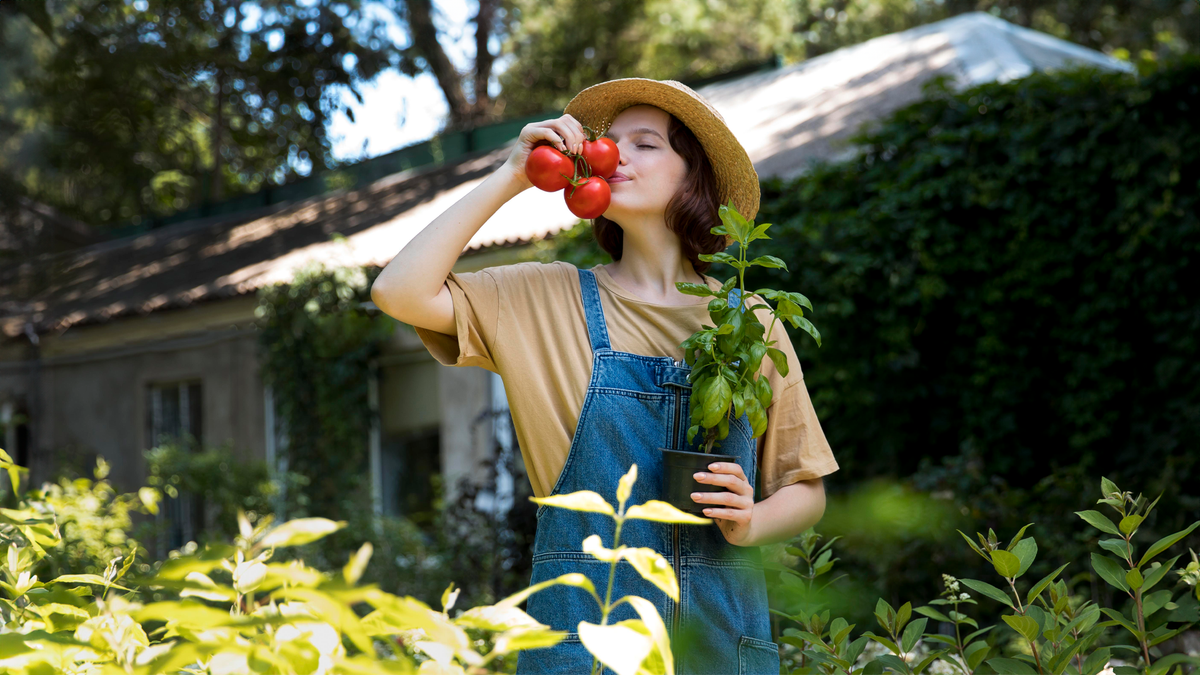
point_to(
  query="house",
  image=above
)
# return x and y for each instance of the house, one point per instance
(109, 347)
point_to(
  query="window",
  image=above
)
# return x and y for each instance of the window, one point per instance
(174, 414)
(409, 465)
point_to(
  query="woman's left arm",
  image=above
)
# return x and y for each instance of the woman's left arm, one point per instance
(782, 516)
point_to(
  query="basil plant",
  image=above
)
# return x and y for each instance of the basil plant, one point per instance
(725, 357)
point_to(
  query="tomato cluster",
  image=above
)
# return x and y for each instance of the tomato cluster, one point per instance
(585, 174)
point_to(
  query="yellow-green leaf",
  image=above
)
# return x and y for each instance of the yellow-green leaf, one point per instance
(497, 618)
(655, 569)
(625, 486)
(572, 579)
(663, 512)
(354, 569)
(300, 531)
(584, 500)
(523, 638)
(593, 546)
(658, 631)
(619, 647)
(1007, 564)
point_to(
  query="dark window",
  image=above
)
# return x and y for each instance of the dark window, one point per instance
(174, 415)
(410, 465)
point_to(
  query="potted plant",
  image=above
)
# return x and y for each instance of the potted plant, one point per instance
(725, 359)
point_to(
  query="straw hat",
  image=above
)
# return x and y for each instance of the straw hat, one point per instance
(598, 105)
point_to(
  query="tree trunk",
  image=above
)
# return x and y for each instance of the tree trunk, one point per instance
(424, 36)
(484, 21)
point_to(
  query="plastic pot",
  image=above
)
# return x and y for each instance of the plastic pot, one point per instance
(678, 483)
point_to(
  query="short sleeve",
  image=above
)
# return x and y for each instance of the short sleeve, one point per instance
(476, 311)
(793, 446)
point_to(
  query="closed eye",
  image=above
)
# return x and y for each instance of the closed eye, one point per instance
(646, 146)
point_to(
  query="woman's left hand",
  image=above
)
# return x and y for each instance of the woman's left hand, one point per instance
(731, 510)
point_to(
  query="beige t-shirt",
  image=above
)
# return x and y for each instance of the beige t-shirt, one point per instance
(525, 322)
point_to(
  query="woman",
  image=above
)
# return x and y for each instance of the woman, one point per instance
(593, 370)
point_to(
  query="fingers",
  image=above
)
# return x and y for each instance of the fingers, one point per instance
(733, 499)
(728, 469)
(740, 516)
(569, 132)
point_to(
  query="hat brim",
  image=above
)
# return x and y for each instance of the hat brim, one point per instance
(597, 106)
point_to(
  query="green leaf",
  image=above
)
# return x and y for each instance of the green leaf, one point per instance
(1107, 487)
(974, 546)
(1110, 570)
(1007, 565)
(700, 290)
(1134, 579)
(769, 261)
(912, 633)
(933, 614)
(894, 662)
(721, 258)
(663, 512)
(1099, 521)
(583, 500)
(93, 579)
(1129, 524)
(1011, 666)
(1118, 547)
(976, 652)
(1156, 574)
(1096, 661)
(300, 531)
(571, 579)
(779, 359)
(806, 326)
(1027, 627)
(988, 590)
(1166, 542)
(1017, 537)
(1040, 586)
(1026, 552)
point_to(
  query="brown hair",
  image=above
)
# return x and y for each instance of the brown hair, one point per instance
(691, 213)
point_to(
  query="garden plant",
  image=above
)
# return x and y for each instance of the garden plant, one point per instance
(231, 608)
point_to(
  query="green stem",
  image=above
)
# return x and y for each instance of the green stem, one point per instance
(612, 573)
(1021, 610)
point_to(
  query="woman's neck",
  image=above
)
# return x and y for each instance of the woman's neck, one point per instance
(653, 279)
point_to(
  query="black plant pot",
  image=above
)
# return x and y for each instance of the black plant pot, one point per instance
(678, 483)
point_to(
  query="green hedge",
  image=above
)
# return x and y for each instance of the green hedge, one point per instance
(1006, 269)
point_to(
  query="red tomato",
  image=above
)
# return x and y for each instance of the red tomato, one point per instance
(602, 156)
(548, 169)
(589, 200)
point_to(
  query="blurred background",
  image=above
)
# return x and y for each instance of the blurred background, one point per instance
(993, 206)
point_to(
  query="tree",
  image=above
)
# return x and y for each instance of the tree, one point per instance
(561, 46)
(152, 107)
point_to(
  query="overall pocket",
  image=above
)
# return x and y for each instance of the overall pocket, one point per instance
(757, 657)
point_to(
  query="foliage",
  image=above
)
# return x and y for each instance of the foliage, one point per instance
(231, 608)
(1004, 260)
(558, 48)
(136, 109)
(1047, 627)
(726, 358)
(317, 342)
(95, 522)
(225, 483)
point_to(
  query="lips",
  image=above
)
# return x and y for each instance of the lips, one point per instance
(617, 178)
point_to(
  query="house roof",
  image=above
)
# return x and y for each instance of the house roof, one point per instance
(791, 117)
(786, 118)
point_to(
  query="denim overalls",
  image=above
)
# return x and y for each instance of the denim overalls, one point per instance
(634, 405)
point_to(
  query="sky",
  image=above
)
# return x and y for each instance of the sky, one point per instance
(398, 110)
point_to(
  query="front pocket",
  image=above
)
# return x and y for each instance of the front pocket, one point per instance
(568, 657)
(757, 657)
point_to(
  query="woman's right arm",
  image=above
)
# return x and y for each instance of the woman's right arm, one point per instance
(412, 288)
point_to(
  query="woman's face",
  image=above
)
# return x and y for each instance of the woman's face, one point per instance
(652, 171)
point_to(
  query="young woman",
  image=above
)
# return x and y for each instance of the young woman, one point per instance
(596, 381)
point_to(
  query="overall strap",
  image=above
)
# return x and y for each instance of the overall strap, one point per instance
(593, 313)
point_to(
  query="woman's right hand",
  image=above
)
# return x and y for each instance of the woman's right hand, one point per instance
(565, 133)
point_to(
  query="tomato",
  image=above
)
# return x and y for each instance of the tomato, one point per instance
(602, 156)
(548, 169)
(590, 199)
